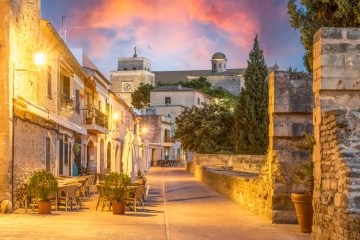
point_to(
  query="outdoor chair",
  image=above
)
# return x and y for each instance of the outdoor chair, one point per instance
(68, 194)
(102, 199)
(138, 194)
(91, 183)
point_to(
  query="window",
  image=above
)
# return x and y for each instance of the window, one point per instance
(66, 154)
(125, 69)
(61, 157)
(198, 101)
(134, 68)
(167, 100)
(77, 101)
(224, 65)
(99, 106)
(167, 135)
(65, 87)
(214, 65)
(48, 80)
(219, 65)
(108, 162)
(47, 158)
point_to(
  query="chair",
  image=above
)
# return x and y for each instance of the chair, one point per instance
(90, 183)
(101, 177)
(102, 199)
(138, 196)
(68, 193)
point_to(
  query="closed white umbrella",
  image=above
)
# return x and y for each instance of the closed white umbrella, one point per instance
(145, 160)
(128, 154)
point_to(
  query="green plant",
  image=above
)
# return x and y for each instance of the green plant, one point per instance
(116, 186)
(304, 173)
(77, 149)
(42, 185)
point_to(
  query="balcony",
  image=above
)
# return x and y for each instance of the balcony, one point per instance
(97, 123)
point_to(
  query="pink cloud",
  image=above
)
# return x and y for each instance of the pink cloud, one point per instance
(182, 34)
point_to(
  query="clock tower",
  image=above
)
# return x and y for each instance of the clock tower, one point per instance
(130, 74)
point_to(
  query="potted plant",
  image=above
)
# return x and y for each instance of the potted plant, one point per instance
(116, 186)
(304, 176)
(42, 186)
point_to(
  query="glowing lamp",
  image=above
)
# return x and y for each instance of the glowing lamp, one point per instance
(116, 116)
(40, 59)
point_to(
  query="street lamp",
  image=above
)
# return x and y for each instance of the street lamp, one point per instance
(39, 59)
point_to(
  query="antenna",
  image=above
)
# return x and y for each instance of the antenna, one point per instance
(64, 28)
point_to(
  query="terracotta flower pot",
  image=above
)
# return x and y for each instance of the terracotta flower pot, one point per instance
(118, 208)
(44, 207)
(304, 211)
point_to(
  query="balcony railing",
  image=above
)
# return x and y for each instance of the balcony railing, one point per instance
(99, 119)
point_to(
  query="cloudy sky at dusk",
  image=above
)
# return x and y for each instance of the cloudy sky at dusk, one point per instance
(177, 34)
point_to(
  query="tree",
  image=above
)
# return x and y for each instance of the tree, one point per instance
(206, 129)
(251, 113)
(321, 13)
(141, 97)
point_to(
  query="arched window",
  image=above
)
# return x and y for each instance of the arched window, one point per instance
(219, 65)
(134, 68)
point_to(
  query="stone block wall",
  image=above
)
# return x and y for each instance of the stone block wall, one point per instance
(290, 117)
(337, 195)
(16, 39)
(268, 193)
(337, 126)
(246, 163)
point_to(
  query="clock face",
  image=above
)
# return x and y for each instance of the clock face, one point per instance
(127, 87)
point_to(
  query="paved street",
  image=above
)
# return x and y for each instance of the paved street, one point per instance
(178, 207)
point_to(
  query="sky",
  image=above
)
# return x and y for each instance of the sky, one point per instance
(177, 34)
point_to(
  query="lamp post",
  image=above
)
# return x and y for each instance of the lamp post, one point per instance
(39, 59)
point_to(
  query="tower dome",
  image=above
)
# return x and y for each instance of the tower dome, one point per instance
(218, 62)
(218, 55)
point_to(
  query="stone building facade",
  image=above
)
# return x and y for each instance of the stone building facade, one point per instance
(47, 110)
(130, 74)
(337, 125)
(218, 75)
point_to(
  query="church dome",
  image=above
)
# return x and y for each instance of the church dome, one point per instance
(218, 55)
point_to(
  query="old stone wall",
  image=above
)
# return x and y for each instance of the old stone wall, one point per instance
(337, 126)
(268, 193)
(16, 40)
(5, 127)
(246, 163)
(290, 118)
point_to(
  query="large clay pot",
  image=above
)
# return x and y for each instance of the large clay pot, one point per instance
(44, 207)
(304, 210)
(118, 208)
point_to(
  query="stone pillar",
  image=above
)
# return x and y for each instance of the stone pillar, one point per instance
(336, 130)
(290, 117)
(5, 113)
